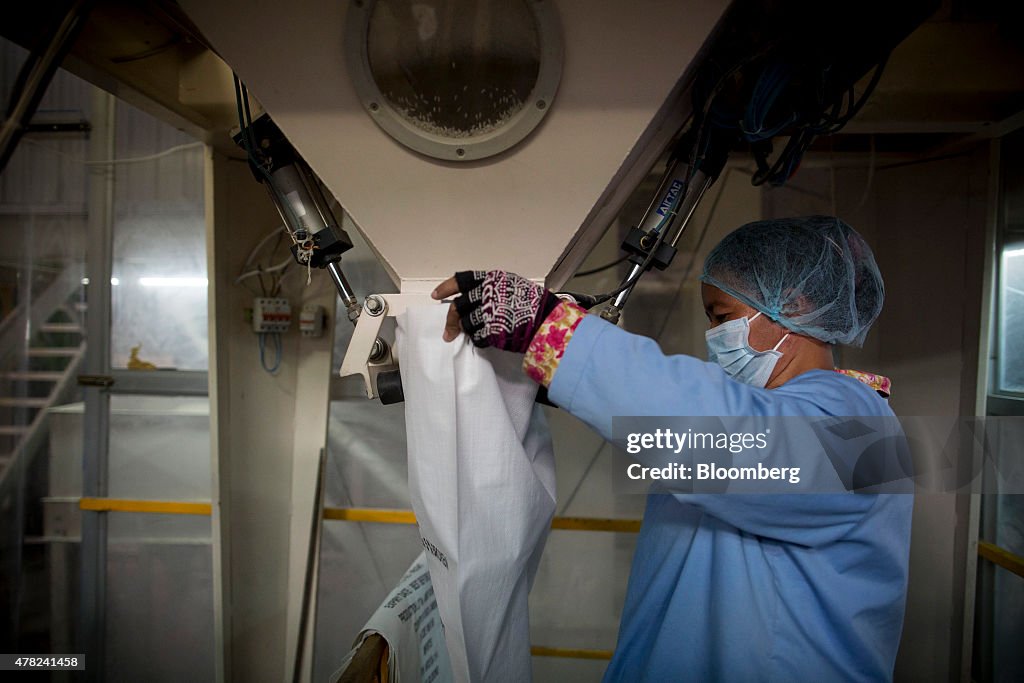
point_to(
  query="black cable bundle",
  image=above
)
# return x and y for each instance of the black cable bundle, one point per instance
(801, 83)
(780, 95)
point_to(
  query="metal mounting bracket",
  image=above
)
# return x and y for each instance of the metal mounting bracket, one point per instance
(368, 355)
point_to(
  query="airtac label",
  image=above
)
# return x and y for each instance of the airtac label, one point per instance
(670, 197)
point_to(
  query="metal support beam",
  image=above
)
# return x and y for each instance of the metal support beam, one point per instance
(35, 78)
(177, 383)
(266, 435)
(976, 622)
(96, 431)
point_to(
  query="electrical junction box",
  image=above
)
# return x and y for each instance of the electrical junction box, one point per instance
(271, 314)
(311, 320)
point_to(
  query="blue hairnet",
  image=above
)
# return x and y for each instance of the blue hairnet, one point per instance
(815, 275)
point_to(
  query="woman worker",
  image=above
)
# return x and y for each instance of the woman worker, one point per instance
(785, 587)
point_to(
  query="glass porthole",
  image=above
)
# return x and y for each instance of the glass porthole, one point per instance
(455, 79)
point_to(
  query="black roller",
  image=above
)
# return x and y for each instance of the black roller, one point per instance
(389, 387)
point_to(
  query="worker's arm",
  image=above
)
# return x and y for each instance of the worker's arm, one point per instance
(604, 372)
(596, 371)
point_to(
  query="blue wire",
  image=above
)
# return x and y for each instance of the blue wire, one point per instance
(276, 338)
(769, 87)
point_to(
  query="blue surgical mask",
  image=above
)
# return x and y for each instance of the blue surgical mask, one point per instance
(729, 346)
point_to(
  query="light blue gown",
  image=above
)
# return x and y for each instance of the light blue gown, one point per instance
(744, 588)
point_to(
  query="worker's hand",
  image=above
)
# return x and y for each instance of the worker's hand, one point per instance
(495, 308)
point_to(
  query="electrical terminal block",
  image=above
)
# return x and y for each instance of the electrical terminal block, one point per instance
(271, 314)
(311, 320)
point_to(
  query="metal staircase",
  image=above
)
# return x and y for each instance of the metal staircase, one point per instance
(42, 344)
(35, 378)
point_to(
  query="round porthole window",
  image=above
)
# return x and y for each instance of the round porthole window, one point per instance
(455, 79)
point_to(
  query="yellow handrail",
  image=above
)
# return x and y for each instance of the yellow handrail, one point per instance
(390, 516)
(348, 514)
(1001, 557)
(378, 515)
(163, 507)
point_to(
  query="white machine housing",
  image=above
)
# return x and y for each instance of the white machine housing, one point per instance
(537, 208)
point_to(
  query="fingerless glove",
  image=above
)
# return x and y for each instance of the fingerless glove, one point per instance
(501, 309)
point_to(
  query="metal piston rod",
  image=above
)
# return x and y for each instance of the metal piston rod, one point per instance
(676, 202)
(348, 297)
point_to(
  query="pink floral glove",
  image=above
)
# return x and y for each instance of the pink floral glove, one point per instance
(501, 309)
